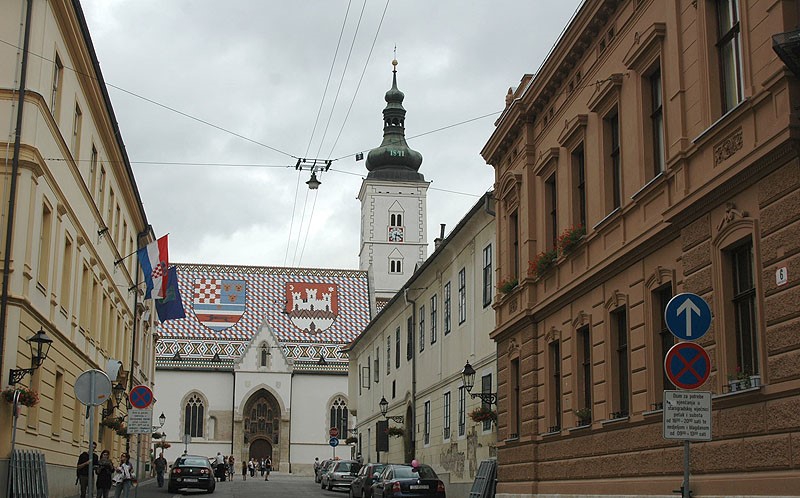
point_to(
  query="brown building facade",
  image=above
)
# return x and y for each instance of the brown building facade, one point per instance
(654, 152)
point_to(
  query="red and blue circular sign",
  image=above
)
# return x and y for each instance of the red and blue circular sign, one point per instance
(140, 397)
(687, 365)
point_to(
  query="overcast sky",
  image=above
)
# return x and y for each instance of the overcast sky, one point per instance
(214, 98)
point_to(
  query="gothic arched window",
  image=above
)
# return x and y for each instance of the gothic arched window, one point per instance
(193, 417)
(339, 416)
(264, 355)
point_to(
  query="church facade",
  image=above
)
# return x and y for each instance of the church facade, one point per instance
(255, 369)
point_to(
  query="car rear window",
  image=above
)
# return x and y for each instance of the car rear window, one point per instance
(193, 462)
(347, 467)
(421, 473)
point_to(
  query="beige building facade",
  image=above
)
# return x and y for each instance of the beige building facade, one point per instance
(413, 352)
(76, 215)
(654, 152)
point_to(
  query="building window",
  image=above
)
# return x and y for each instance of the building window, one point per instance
(579, 186)
(657, 121)
(77, 123)
(397, 348)
(462, 411)
(462, 296)
(447, 308)
(58, 403)
(422, 328)
(446, 422)
(194, 416)
(66, 274)
(410, 337)
(396, 220)
(486, 388)
(744, 308)
(55, 91)
(514, 411)
(619, 324)
(555, 386)
(728, 49)
(45, 239)
(513, 229)
(551, 202)
(377, 367)
(93, 170)
(264, 354)
(388, 354)
(427, 433)
(101, 189)
(613, 175)
(488, 290)
(434, 318)
(664, 339)
(585, 367)
(395, 266)
(339, 416)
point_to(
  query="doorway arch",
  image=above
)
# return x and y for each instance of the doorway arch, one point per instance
(260, 449)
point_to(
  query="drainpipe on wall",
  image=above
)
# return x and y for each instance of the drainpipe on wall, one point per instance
(12, 193)
(412, 422)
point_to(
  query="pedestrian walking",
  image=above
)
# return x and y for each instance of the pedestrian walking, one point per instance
(160, 465)
(244, 470)
(231, 466)
(251, 465)
(123, 477)
(104, 470)
(267, 467)
(82, 469)
(262, 466)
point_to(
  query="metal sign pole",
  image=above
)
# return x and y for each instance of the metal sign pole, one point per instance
(138, 455)
(685, 490)
(92, 394)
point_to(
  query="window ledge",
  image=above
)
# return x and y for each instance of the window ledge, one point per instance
(738, 392)
(705, 133)
(550, 434)
(579, 428)
(650, 413)
(656, 180)
(615, 420)
(613, 214)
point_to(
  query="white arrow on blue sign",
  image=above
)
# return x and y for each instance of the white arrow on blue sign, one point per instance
(688, 316)
(334, 442)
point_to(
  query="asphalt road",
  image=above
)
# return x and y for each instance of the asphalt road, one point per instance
(279, 485)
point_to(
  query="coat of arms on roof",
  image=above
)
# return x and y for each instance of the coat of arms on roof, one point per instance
(312, 307)
(219, 303)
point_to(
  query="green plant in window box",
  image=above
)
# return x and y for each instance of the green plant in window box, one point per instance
(507, 285)
(584, 416)
(482, 414)
(542, 263)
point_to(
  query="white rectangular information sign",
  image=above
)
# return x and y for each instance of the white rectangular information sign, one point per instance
(140, 421)
(687, 415)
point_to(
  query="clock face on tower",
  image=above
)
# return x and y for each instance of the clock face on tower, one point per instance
(395, 234)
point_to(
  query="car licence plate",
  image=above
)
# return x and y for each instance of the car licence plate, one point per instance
(419, 486)
(189, 479)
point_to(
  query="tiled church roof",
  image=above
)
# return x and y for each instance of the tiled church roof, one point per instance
(329, 308)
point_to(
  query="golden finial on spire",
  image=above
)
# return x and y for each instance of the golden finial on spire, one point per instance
(394, 61)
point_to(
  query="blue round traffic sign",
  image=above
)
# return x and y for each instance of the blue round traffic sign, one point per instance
(687, 365)
(334, 442)
(688, 316)
(140, 397)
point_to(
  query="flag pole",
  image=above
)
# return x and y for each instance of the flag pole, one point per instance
(120, 260)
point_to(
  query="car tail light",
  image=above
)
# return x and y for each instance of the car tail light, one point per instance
(440, 487)
(204, 471)
(396, 488)
(176, 470)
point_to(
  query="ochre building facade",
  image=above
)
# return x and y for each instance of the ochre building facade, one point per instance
(655, 152)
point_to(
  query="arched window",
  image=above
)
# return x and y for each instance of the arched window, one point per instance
(339, 416)
(194, 419)
(264, 355)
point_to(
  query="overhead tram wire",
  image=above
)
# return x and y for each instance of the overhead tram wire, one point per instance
(360, 79)
(156, 103)
(350, 107)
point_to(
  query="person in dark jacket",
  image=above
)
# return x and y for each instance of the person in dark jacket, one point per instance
(104, 470)
(82, 469)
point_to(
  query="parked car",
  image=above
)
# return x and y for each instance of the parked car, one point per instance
(403, 480)
(341, 473)
(191, 472)
(322, 468)
(361, 487)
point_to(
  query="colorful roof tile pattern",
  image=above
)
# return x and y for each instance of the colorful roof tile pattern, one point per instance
(314, 312)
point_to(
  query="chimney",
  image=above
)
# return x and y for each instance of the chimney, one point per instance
(438, 240)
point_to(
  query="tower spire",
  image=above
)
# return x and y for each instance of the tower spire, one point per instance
(394, 159)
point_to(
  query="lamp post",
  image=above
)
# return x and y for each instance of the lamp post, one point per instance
(118, 391)
(468, 377)
(384, 406)
(40, 345)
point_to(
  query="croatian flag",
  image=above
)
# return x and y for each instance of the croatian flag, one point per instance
(154, 261)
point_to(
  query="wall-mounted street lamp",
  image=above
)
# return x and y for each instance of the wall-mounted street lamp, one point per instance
(118, 392)
(40, 346)
(468, 376)
(384, 405)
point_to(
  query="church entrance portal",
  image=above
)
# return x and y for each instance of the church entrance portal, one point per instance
(262, 424)
(260, 449)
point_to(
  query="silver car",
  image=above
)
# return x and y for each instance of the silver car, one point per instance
(341, 473)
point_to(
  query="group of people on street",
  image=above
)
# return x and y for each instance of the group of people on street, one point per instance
(119, 476)
(263, 465)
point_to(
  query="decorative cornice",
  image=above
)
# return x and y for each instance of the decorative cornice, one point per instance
(513, 347)
(615, 300)
(552, 335)
(605, 92)
(572, 129)
(731, 215)
(728, 146)
(658, 277)
(580, 320)
(644, 44)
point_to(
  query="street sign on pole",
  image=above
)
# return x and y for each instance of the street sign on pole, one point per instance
(334, 432)
(140, 421)
(687, 365)
(334, 442)
(688, 316)
(140, 396)
(687, 415)
(93, 387)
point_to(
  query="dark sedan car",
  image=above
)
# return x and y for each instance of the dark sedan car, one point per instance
(361, 487)
(191, 472)
(340, 474)
(405, 481)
